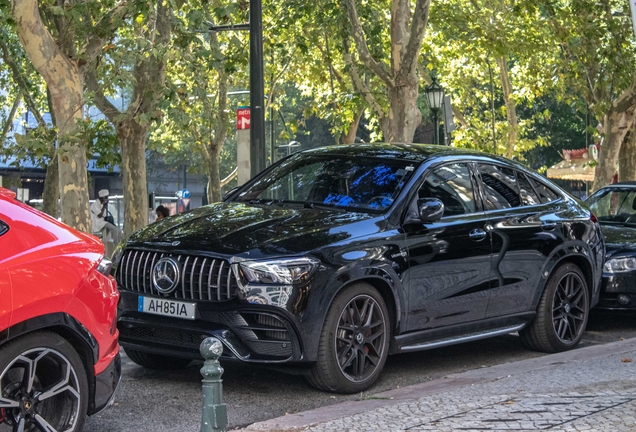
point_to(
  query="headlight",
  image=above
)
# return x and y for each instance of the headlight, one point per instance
(620, 265)
(286, 271)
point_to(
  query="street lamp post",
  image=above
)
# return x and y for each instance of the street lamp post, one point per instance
(257, 97)
(435, 98)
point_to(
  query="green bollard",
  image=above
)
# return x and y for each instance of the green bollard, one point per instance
(214, 417)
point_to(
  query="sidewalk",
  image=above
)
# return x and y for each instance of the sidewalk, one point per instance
(588, 389)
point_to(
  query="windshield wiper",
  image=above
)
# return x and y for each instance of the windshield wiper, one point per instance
(260, 201)
(313, 205)
(288, 203)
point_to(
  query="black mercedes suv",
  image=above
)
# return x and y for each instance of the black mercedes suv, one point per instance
(333, 258)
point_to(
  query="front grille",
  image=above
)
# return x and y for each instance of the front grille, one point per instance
(202, 278)
(173, 338)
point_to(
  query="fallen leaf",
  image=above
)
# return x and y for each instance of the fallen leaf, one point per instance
(626, 360)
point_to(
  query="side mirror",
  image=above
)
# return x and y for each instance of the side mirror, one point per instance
(430, 209)
(229, 193)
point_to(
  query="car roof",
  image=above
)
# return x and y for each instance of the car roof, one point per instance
(415, 152)
(621, 184)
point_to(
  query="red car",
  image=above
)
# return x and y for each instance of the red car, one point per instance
(59, 351)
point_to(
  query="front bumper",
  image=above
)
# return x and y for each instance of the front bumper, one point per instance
(618, 291)
(105, 386)
(249, 333)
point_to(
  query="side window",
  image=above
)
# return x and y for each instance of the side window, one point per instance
(452, 185)
(500, 187)
(528, 195)
(545, 193)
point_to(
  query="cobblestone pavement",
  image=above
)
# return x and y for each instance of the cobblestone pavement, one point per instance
(589, 389)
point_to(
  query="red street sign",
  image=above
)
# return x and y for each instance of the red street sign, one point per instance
(242, 118)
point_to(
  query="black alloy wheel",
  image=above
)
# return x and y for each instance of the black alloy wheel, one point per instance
(354, 342)
(43, 385)
(569, 308)
(562, 313)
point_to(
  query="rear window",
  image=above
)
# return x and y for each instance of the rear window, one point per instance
(528, 195)
(500, 187)
(3, 228)
(545, 193)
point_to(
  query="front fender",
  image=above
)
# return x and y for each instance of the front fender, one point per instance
(381, 275)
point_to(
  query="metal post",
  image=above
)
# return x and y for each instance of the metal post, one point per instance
(257, 89)
(214, 418)
(436, 125)
(272, 130)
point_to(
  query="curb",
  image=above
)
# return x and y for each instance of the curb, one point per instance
(305, 419)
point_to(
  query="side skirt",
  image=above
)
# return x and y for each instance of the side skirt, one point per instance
(445, 336)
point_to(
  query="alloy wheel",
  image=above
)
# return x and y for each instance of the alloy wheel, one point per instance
(360, 338)
(569, 308)
(39, 391)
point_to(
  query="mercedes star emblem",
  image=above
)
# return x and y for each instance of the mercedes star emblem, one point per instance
(165, 275)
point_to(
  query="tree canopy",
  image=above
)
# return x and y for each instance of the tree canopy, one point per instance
(525, 79)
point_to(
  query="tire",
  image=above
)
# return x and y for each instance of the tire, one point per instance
(343, 362)
(156, 361)
(562, 313)
(56, 398)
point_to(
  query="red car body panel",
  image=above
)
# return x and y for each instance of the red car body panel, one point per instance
(5, 299)
(46, 268)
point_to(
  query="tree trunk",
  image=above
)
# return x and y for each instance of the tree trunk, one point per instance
(51, 193)
(408, 25)
(404, 116)
(132, 138)
(214, 189)
(627, 158)
(617, 121)
(511, 107)
(212, 154)
(350, 136)
(150, 74)
(616, 125)
(67, 94)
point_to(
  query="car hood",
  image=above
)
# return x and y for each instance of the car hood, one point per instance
(255, 231)
(619, 239)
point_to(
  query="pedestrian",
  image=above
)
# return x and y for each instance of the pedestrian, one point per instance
(162, 212)
(103, 221)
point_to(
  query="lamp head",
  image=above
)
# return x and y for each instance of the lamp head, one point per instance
(434, 95)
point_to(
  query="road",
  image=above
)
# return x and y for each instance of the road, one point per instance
(171, 401)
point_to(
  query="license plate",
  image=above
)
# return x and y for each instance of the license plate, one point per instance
(165, 307)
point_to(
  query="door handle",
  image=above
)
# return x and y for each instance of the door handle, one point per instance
(477, 234)
(548, 226)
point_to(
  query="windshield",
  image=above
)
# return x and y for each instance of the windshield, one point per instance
(338, 181)
(614, 205)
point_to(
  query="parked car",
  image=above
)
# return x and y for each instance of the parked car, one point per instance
(615, 208)
(333, 258)
(59, 356)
